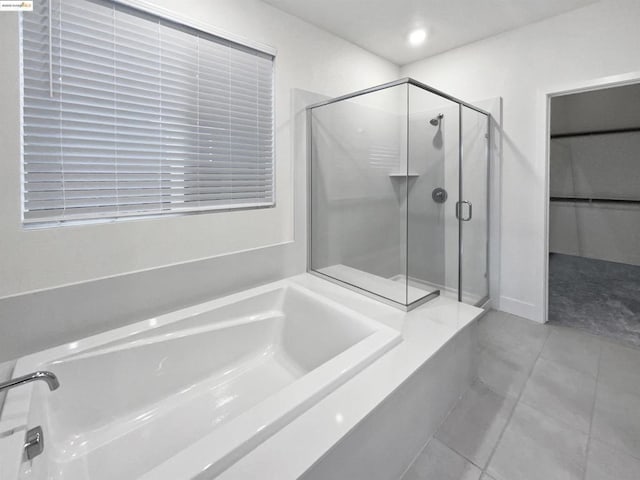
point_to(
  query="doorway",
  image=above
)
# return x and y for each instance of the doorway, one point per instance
(594, 212)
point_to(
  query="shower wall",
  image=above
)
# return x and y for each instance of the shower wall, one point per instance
(356, 216)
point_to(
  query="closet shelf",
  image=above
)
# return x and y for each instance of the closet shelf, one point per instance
(595, 200)
(595, 132)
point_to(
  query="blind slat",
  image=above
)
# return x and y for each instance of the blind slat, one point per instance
(146, 117)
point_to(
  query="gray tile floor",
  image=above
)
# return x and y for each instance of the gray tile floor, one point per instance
(600, 297)
(550, 403)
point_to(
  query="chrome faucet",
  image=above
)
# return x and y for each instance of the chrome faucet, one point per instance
(49, 378)
(34, 439)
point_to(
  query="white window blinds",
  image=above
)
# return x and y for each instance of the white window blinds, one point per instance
(127, 114)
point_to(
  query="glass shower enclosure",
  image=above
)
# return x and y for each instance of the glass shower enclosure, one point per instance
(398, 194)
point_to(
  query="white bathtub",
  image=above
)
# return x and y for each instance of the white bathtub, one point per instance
(201, 386)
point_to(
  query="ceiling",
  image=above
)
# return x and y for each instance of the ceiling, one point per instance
(382, 26)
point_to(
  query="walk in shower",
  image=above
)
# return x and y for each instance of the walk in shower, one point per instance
(398, 194)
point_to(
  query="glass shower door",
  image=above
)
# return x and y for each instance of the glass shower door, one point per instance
(472, 208)
(433, 162)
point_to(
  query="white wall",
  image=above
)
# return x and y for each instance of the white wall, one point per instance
(595, 167)
(604, 231)
(123, 272)
(606, 109)
(307, 58)
(520, 66)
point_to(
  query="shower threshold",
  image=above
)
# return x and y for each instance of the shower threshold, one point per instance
(393, 288)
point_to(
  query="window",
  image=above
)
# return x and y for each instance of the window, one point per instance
(127, 114)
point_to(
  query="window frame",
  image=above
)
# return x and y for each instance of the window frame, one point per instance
(179, 20)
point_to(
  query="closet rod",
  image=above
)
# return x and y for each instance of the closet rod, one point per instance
(595, 200)
(595, 132)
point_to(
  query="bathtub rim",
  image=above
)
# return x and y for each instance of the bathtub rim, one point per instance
(426, 331)
(15, 414)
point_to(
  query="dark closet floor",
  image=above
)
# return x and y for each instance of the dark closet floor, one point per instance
(600, 297)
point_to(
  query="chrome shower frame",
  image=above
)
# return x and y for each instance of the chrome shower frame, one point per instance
(408, 81)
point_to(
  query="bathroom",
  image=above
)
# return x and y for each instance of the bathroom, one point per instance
(226, 320)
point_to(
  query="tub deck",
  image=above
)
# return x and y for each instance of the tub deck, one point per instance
(227, 374)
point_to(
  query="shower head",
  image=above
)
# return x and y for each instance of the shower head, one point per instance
(435, 121)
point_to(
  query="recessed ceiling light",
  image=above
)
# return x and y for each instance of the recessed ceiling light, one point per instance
(417, 37)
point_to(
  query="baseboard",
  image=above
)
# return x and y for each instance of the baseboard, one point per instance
(487, 305)
(520, 308)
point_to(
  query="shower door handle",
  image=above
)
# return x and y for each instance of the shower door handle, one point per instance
(459, 211)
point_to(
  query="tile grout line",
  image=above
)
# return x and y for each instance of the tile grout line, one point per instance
(444, 419)
(476, 379)
(604, 441)
(461, 454)
(617, 342)
(517, 402)
(470, 462)
(593, 414)
(433, 437)
(601, 336)
(572, 371)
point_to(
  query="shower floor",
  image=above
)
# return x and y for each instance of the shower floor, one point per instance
(427, 286)
(393, 288)
(597, 296)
